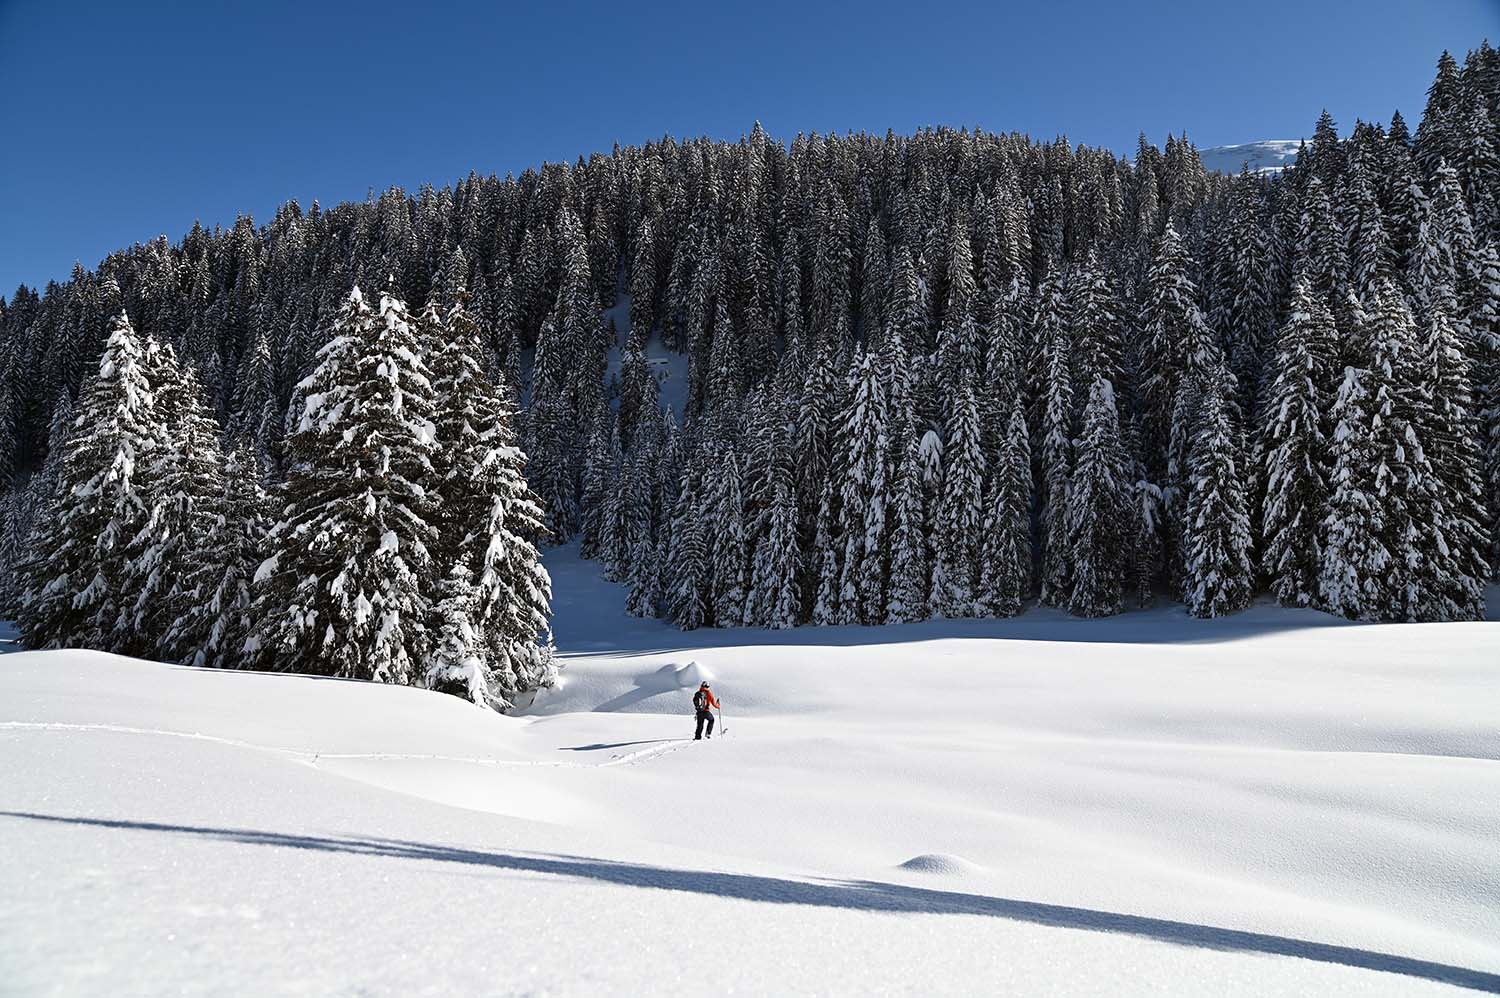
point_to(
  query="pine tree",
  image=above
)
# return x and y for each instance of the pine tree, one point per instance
(1055, 446)
(825, 561)
(1174, 335)
(730, 557)
(1145, 537)
(75, 591)
(1247, 319)
(215, 619)
(1097, 504)
(1006, 576)
(456, 663)
(777, 562)
(1413, 517)
(643, 282)
(1440, 134)
(909, 564)
(487, 517)
(1216, 530)
(346, 589)
(186, 470)
(1484, 325)
(1354, 558)
(600, 466)
(960, 514)
(1294, 450)
(1095, 336)
(864, 497)
(1453, 445)
(688, 564)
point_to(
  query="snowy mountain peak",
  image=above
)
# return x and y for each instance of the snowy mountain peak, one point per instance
(1266, 156)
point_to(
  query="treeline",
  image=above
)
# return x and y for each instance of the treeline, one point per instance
(395, 548)
(939, 374)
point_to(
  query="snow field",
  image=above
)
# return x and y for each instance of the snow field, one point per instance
(1273, 803)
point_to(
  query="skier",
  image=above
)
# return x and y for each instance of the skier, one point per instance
(703, 700)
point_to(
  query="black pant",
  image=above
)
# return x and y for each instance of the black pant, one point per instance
(704, 715)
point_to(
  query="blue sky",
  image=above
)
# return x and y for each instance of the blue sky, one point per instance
(127, 120)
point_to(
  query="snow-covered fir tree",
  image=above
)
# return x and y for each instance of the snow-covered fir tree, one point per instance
(74, 587)
(487, 517)
(214, 598)
(1216, 528)
(1295, 452)
(185, 471)
(348, 586)
(1097, 501)
(1006, 575)
(959, 526)
(1354, 558)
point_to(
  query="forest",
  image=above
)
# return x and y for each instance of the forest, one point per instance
(856, 379)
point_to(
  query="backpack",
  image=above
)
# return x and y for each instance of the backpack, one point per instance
(700, 700)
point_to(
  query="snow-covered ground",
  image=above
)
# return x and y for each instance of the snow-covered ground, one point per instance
(1277, 803)
(1268, 156)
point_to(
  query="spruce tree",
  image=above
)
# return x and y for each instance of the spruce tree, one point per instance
(864, 497)
(215, 618)
(1216, 529)
(1097, 504)
(347, 588)
(1006, 576)
(1354, 559)
(688, 564)
(456, 664)
(1294, 449)
(487, 517)
(960, 516)
(777, 562)
(75, 589)
(909, 563)
(730, 557)
(186, 473)
(1054, 451)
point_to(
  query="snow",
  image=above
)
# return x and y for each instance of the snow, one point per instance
(940, 863)
(669, 367)
(1275, 802)
(1267, 156)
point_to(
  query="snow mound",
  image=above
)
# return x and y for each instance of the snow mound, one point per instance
(940, 863)
(690, 675)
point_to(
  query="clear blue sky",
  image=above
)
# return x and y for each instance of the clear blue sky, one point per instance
(125, 120)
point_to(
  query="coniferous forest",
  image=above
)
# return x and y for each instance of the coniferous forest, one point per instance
(846, 380)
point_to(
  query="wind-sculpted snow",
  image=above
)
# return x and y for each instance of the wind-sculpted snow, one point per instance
(1273, 803)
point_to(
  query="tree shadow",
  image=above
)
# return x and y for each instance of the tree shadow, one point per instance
(631, 637)
(861, 895)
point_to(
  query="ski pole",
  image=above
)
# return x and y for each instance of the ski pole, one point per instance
(722, 729)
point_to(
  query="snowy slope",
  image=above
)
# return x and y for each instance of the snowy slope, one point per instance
(1268, 156)
(1276, 803)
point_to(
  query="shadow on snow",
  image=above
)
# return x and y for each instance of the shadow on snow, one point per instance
(860, 895)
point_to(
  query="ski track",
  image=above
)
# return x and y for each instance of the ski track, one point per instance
(311, 756)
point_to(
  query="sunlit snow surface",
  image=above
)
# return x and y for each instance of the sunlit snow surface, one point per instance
(1269, 156)
(1277, 803)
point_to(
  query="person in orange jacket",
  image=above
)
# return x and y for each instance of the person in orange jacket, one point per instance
(703, 701)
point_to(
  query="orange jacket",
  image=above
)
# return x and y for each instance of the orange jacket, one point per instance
(713, 701)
